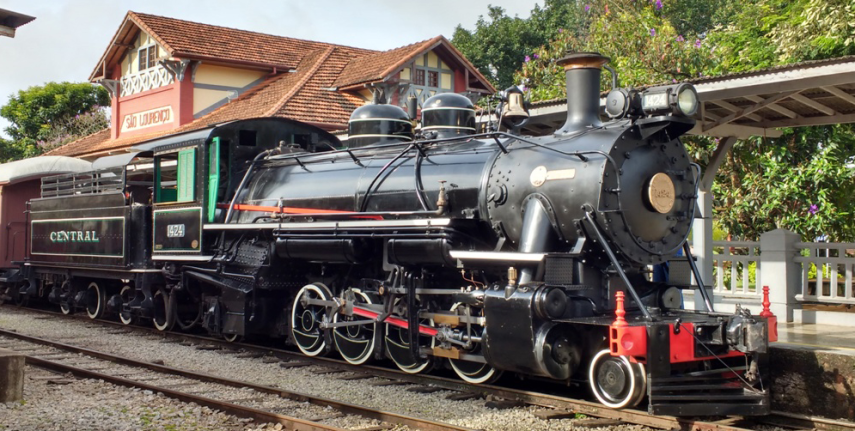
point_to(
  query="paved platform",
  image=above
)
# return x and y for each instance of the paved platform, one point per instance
(827, 338)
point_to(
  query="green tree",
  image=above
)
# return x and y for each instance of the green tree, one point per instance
(499, 44)
(52, 114)
(799, 181)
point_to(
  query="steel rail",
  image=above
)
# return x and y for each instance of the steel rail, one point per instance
(777, 418)
(235, 409)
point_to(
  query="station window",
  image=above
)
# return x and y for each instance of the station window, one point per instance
(433, 79)
(147, 57)
(419, 78)
(175, 177)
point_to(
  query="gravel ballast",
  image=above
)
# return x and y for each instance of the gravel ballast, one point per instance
(55, 402)
(468, 413)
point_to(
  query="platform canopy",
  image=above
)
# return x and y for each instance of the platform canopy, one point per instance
(9, 21)
(754, 103)
(36, 167)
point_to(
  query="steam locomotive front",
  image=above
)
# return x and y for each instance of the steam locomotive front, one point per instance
(632, 177)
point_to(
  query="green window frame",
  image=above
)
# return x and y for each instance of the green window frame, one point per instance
(178, 184)
(187, 175)
(213, 177)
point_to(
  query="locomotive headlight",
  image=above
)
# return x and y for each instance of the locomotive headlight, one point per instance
(687, 99)
(679, 99)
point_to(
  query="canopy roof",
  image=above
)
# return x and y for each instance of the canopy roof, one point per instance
(36, 167)
(9, 21)
(754, 103)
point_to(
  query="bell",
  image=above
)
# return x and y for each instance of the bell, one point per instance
(514, 108)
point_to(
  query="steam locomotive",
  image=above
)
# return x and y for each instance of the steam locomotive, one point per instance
(484, 252)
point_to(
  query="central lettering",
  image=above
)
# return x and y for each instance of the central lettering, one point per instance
(74, 236)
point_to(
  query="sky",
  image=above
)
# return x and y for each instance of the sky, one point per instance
(67, 38)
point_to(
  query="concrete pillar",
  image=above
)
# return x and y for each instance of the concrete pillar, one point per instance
(780, 272)
(11, 376)
(702, 245)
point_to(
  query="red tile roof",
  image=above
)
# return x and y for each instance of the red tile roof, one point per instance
(193, 40)
(376, 67)
(304, 89)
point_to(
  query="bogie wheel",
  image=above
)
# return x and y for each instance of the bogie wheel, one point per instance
(21, 300)
(398, 349)
(233, 338)
(96, 297)
(68, 292)
(615, 381)
(473, 372)
(127, 294)
(164, 314)
(306, 319)
(356, 344)
(188, 310)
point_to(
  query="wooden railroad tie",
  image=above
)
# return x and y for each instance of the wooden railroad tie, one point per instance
(251, 355)
(323, 371)
(463, 396)
(208, 347)
(295, 364)
(503, 404)
(424, 389)
(390, 383)
(595, 423)
(332, 415)
(554, 414)
(358, 376)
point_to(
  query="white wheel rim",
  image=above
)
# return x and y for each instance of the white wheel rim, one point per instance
(370, 352)
(465, 377)
(130, 318)
(593, 382)
(63, 306)
(417, 368)
(325, 295)
(474, 381)
(100, 304)
(642, 388)
(165, 312)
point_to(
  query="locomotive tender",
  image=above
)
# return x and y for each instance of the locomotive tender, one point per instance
(488, 252)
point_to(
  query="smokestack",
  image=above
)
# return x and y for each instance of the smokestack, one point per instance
(582, 70)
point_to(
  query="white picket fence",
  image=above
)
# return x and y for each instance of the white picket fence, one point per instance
(826, 272)
(805, 278)
(737, 268)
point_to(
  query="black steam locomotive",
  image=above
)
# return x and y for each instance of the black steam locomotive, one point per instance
(488, 252)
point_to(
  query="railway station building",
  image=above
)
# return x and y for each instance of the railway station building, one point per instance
(168, 76)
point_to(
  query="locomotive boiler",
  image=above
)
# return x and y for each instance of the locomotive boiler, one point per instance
(486, 252)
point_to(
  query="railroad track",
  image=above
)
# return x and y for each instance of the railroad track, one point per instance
(553, 406)
(239, 398)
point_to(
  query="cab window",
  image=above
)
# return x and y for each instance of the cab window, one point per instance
(175, 177)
